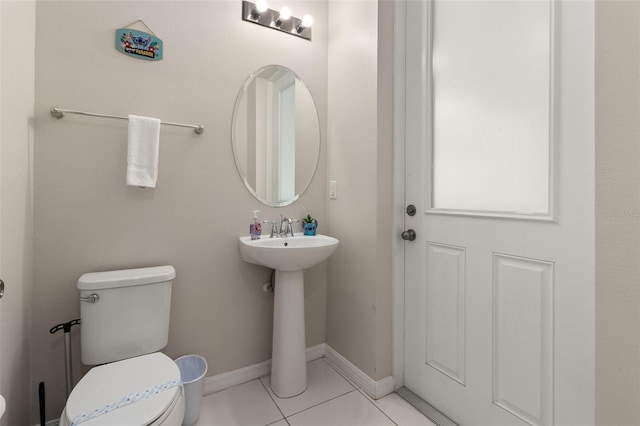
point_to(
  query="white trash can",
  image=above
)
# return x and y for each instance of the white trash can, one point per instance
(192, 371)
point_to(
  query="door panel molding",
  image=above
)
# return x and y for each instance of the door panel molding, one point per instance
(523, 316)
(445, 306)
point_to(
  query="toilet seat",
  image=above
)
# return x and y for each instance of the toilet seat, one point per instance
(110, 383)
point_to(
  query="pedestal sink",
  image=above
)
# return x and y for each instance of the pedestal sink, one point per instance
(289, 256)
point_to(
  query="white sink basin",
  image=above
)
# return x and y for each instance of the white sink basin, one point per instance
(288, 254)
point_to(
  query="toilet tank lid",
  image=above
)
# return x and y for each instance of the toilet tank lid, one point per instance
(126, 277)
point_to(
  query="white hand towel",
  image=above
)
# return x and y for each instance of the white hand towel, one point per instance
(142, 152)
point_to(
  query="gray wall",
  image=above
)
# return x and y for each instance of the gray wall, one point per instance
(17, 22)
(86, 219)
(617, 212)
(360, 161)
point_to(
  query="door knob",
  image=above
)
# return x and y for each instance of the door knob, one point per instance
(409, 235)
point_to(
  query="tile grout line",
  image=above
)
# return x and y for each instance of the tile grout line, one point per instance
(352, 385)
(364, 393)
(343, 375)
(359, 389)
(319, 403)
(350, 382)
(274, 401)
(278, 421)
(371, 401)
(323, 402)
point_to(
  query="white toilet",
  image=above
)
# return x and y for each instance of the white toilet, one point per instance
(125, 321)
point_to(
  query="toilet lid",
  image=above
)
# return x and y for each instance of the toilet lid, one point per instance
(110, 383)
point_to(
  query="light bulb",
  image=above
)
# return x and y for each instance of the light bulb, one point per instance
(307, 21)
(285, 14)
(261, 6)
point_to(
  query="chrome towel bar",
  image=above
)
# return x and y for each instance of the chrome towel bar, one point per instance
(60, 112)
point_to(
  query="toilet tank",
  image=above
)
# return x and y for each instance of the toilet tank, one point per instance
(128, 316)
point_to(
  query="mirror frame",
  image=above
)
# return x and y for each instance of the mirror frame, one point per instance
(239, 168)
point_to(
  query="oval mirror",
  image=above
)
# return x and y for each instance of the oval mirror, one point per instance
(275, 135)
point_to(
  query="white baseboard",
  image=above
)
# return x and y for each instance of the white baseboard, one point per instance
(232, 378)
(375, 389)
(246, 374)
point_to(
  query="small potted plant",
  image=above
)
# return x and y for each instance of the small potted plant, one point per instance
(309, 225)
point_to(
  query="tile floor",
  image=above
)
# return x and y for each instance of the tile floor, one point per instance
(330, 399)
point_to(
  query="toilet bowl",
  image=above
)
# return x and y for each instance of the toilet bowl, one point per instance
(125, 322)
(151, 383)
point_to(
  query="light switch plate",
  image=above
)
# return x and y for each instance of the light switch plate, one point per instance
(333, 190)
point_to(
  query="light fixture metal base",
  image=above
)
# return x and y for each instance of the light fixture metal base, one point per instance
(270, 16)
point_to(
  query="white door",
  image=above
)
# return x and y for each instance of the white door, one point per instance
(499, 282)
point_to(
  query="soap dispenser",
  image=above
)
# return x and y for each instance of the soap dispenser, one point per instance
(255, 227)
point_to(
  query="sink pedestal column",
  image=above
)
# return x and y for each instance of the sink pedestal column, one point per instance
(288, 359)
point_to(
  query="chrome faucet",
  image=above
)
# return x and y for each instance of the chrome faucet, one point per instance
(285, 226)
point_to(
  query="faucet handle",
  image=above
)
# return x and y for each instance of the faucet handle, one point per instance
(292, 221)
(274, 227)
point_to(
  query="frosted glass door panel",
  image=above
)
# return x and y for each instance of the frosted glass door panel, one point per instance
(492, 106)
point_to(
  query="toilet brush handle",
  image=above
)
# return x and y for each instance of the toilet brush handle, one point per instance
(67, 350)
(66, 326)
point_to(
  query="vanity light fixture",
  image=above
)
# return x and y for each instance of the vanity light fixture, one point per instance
(259, 13)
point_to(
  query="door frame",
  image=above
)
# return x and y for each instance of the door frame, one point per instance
(397, 248)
